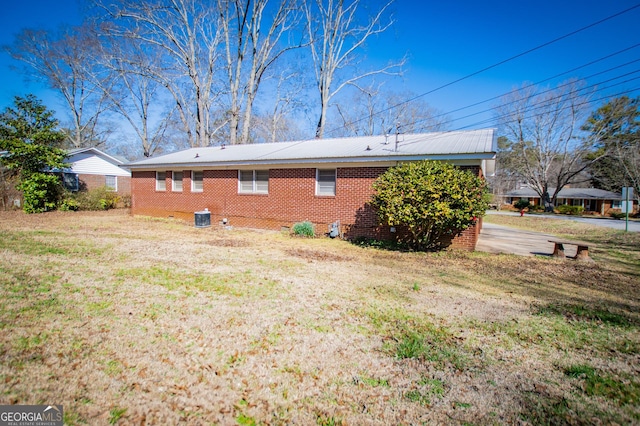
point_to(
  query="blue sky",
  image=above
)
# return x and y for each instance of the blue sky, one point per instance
(444, 41)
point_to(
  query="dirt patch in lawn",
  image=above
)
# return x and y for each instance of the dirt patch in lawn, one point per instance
(133, 320)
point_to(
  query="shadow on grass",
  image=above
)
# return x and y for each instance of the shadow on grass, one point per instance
(593, 314)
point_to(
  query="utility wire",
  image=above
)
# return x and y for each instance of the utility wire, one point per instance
(496, 119)
(541, 93)
(497, 64)
(542, 81)
(540, 105)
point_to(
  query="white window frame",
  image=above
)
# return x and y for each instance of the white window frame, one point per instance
(110, 188)
(161, 184)
(318, 186)
(174, 181)
(193, 181)
(255, 183)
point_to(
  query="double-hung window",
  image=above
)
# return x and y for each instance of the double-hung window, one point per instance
(253, 181)
(326, 182)
(196, 181)
(111, 182)
(176, 181)
(161, 183)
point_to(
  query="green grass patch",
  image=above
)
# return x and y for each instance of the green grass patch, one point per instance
(557, 332)
(115, 414)
(42, 243)
(622, 390)
(322, 420)
(232, 284)
(375, 382)
(409, 336)
(427, 390)
(24, 343)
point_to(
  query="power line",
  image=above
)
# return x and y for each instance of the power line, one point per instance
(543, 92)
(496, 119)
(473, 74)
(543, 104)
(544, 81)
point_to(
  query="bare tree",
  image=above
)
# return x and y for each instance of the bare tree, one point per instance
(63, 60)
(250, 52)
(336, 35)
(543, 145)
(374, 111)
(134, 91)
(613, 130)
(186, 34)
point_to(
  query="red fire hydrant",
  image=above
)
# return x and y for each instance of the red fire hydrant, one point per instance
(521, 212)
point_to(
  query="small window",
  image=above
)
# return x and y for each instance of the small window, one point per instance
(71, 182)
(176, 181)
(111, 182)
(616, 204)
(196, 181)
(253, 181)
(326, 182)
(161, 182)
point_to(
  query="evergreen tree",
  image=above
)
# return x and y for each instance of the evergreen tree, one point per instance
(30, 145)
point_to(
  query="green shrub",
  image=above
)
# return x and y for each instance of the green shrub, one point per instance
(570, 210)
(430, 200)
(41, 192)
(69, 204)
(97, 199)
(618, 215)
(536, 208)
(304, 229)
(522, 204)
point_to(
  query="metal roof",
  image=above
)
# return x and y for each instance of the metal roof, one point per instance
(576, 193)
(471, 144)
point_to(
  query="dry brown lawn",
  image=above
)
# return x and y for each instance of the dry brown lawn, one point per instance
(132, 320)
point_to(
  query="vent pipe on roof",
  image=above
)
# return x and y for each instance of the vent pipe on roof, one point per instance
(397, 134)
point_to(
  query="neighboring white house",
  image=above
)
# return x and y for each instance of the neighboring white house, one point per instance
(92, 168)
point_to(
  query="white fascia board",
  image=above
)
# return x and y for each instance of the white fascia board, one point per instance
(303, 163)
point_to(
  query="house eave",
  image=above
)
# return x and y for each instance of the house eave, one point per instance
(288, 163)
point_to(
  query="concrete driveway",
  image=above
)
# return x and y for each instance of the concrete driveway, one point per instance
(632, 226)
(503, 239)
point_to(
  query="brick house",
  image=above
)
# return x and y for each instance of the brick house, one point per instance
(92, 168)
(275, 185)
(593, 200)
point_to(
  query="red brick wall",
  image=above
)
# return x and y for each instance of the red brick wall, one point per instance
(89, 182)
(291, 199)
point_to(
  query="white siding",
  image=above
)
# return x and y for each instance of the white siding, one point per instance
(87, 163)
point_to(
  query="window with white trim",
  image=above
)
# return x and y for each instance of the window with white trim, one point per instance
(253, 181)
(176, 181)
(326, 182)
(111, 182)
(161, 182)
(197, 181)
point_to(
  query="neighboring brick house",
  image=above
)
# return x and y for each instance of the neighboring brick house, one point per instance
(275, 185)
(92, 168)
(591, 199)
